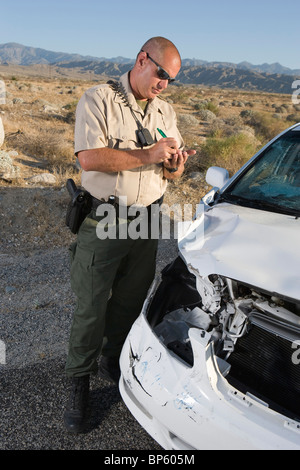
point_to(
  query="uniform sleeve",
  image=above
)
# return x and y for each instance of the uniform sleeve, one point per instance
(90, 123)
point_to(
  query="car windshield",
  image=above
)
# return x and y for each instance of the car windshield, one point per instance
(272, 182)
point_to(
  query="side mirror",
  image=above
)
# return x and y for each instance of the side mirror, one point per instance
(216, 176)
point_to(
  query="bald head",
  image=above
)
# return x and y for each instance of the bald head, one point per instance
(156, 54)
(160, 46)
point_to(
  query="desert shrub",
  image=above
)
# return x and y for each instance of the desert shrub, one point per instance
(207, 105)
(187, 120)
(246, 113)
(181, 97)
(219, 128)
(280, 109)
(265, 125)
(71, 109)
(227, 126)
(46, 144)
(228, 152)
(206, 115)
(293, 118)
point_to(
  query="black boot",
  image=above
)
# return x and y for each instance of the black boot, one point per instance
(76, 411)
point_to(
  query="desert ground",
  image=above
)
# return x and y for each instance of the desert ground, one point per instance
(226, 127)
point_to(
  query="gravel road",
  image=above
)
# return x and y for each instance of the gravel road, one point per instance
(36, 311)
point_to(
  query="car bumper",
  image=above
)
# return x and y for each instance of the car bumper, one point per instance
(194, 408)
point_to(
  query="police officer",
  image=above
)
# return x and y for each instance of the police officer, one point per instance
(111, 277)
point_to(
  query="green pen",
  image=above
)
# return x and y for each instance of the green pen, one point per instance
(164, 135)
(161, 133)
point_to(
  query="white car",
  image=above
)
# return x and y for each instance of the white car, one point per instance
(213, 361)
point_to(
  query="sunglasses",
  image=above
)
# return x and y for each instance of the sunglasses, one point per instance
(161, 73)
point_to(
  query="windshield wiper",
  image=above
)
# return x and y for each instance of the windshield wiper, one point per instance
(228, 197)
(257, 203)
(275, 207)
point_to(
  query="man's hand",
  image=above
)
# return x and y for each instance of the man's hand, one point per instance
(163, 150)
(177, 163)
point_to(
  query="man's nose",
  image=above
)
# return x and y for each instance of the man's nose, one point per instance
(163, 84)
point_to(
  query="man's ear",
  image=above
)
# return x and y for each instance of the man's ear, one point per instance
(142, 58)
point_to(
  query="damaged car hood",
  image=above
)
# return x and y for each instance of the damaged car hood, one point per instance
(257, 247)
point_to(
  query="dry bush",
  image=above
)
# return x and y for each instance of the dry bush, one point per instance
(181, 97)
(225, 127)
(293, 118)
(228, 152)
(71, 110)
(49, 145)
(266, 126)
(207, 105)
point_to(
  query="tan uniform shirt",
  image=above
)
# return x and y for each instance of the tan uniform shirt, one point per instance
(103, 120)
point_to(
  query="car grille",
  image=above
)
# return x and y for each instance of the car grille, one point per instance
(262, 364)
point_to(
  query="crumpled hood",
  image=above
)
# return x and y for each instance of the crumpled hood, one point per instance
(256, 247)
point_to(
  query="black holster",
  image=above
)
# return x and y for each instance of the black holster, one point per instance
(79, 206)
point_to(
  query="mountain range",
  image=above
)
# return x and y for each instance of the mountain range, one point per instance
(265, 77)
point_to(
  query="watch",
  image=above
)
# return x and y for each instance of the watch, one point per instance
(171, 170)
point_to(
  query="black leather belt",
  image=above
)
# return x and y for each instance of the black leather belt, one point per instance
(112, 200)
(97, 202)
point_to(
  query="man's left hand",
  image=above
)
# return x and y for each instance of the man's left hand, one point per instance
(174, 167)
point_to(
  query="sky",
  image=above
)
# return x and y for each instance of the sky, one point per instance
(256, 31)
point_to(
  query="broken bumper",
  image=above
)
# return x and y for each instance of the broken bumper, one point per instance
(194, 408)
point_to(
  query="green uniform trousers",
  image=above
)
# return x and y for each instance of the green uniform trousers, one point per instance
(110, 278)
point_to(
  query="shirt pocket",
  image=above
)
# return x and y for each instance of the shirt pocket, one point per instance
(123, 139)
